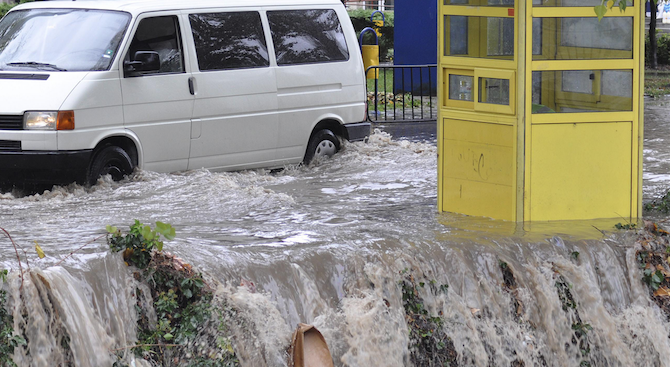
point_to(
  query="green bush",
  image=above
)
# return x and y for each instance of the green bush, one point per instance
(4, 8)
(360, 18)
(662, 50)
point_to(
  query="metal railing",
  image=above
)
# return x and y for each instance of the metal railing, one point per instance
(402, 93)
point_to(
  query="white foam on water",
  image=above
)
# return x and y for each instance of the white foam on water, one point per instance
(328, 244)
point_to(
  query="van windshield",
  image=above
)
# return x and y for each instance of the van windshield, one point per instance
(60, 39)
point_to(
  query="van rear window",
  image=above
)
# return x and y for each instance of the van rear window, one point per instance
(307, 36)
(229, 40)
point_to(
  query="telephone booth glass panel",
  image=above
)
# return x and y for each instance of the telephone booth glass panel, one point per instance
(502, 3)
(571, 3)
(494, 91)
(567, 91)
(482, 37)
(461, 87)
(582, 38)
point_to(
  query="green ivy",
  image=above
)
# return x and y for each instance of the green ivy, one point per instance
(653, 278)
(182, 301)
(662, 205)
(627, 226)
(140, 242)
(429, 343)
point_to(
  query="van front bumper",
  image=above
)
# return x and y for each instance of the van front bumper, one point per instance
(359, 131)
(25, 168)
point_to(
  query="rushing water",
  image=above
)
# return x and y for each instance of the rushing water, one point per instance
(328, 245)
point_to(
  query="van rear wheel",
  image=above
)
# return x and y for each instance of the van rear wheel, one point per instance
(111, 160)
(323, 144)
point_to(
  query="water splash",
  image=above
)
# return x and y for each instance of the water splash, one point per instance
(69, 320)
(331, 245)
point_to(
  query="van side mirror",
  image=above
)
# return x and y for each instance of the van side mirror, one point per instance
(143, 62)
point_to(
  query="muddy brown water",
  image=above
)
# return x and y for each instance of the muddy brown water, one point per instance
(329, 245)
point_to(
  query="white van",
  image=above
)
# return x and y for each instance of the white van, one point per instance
(89, 88)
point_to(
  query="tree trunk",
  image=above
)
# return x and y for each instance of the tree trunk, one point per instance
(653, 61)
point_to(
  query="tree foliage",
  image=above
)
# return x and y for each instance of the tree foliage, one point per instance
(608, 5)
(5, 7)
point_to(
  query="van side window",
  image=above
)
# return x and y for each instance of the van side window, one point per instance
(307, 36)
(161, 35)
(229, 40)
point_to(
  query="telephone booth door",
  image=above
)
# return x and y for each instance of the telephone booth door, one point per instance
(479, 115)
(584, 108)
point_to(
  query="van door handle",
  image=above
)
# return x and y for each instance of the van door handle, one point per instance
(191, 85)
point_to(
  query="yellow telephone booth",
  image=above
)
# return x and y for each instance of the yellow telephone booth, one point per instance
(540, 109)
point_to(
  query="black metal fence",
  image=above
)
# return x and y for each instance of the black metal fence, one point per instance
(402, 93)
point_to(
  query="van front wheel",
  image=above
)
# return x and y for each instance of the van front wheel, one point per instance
(112, 161)
(323, 144)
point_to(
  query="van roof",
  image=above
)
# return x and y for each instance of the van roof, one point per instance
(141, 6)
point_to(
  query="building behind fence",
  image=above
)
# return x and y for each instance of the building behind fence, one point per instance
(415, 43)
(385, 5)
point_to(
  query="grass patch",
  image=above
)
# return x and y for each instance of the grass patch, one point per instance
(384, 83)
(656, 82)
(387, 99)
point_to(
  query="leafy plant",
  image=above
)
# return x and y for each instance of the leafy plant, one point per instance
(653, 278)
(642, 257)
(606, 5)
(662, 204)
(627, 226)
(182, 301)
(138, 244)
(581, 328)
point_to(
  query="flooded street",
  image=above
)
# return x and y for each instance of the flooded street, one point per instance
(656, 148)
(331, 244)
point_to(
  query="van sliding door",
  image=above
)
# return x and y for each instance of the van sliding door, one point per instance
(235, 111)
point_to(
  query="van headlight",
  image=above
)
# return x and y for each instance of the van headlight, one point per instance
(40, 120)
(48, 120)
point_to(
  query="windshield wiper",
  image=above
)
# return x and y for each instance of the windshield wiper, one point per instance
(36, 65)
